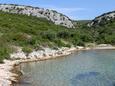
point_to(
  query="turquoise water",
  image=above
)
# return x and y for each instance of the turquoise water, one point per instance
(83, 68)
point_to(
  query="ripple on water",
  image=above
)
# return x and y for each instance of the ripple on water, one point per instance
(91, 79)
(88, 68)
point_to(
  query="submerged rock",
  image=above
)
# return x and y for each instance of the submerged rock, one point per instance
(91, 79)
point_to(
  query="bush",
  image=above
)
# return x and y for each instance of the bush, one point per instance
(68, 45)
(64, 34)
(5, 50)
(59, 43)
(27, 49)
(21, 37)
(76, 41)
(48, 35)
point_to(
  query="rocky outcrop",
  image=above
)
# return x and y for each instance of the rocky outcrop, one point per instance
(103, 19)
(41, 54)
(55, 17)
(8, 74)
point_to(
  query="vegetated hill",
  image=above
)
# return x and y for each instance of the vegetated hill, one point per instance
(103, 19)
(83, 21)
(31, 32)
(104, 28)
(80, 23)
(54, 16)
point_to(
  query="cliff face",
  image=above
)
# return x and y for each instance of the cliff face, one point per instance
(103, 19)
(55, 17)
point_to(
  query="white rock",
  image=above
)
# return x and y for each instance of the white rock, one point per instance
(18, 55)
(79, 47)
(57, 18)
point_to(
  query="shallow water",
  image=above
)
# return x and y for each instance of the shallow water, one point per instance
(83, 68)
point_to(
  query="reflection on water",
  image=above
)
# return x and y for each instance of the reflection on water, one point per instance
(84, 68)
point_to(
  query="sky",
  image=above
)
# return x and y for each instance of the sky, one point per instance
(75, 9)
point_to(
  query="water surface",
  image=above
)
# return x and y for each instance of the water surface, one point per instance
(83, 68)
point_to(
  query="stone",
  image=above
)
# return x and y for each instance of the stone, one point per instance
(55, 17)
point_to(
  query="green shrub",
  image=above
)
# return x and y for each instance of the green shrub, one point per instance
(5, 50)
(67, 45)
(27, 49)
(59, 43)
(48, 35)
(63, 34)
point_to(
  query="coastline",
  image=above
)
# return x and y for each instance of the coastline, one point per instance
(7, 70)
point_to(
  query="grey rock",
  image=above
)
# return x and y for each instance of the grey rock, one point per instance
(103, 18)
(54, 16)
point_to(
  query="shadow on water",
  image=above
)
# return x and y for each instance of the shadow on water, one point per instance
(26, 81)
(91, 79)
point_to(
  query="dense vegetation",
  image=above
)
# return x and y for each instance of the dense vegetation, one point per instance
(104, 32)
(31, 33)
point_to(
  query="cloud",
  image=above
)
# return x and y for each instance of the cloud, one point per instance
(64, 9)
(68, 10)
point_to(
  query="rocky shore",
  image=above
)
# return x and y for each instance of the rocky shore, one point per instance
(9, 74)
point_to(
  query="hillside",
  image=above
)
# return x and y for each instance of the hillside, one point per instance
(104, 28)
(54, 16)
(80, 23)
(103, 19)
(31, 32)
